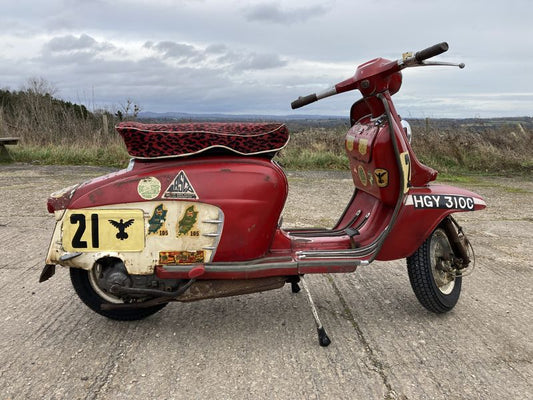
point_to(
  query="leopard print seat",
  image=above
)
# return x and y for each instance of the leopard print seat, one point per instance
(184, 139)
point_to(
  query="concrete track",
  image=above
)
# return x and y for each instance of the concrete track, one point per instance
(264, 346)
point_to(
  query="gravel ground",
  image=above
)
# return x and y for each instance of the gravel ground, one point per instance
(385, 345)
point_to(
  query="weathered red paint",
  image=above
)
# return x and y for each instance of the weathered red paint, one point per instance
(251, 192)
(413, 225)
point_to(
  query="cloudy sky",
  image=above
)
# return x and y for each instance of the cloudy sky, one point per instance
(243, 56)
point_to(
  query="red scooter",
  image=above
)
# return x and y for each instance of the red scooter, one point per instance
(196, 214)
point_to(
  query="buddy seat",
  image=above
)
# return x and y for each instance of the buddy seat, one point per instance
(148, 141)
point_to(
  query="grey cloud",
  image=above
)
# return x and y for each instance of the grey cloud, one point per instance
(71, 42)
(272, 12)
(260, 61)
(216, 49)
(156, 81)
(175, 50)
(220, 55)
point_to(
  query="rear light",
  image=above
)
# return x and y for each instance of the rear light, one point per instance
(60, 200)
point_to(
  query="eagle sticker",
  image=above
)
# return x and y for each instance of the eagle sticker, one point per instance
(382, 177)
(121, 226)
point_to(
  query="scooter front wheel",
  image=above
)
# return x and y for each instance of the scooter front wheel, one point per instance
(88, 291)
(432, 277)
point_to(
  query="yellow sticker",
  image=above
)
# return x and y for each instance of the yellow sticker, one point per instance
(382, 177)
(103, 230)
(349, 142)
(363, 145)
(406, 170)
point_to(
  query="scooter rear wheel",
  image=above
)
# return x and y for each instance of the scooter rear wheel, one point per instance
(88, 291)
(433, 280)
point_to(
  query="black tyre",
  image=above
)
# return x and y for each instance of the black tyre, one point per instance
(88, 291)
(434, 282)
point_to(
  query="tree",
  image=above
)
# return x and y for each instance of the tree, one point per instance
(40, 86)
(128, 110)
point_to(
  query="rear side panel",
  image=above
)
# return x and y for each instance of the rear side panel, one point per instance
(250, 192)
(141, 234)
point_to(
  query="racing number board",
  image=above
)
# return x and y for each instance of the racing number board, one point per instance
(103, 230)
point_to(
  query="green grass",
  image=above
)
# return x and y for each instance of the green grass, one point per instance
(53, 131)
(461, 179)
(110, 155)
(458, 156)
(515, 190)
(312, 159)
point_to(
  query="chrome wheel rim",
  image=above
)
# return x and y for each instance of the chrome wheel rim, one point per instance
(94, 273)
(441, 262)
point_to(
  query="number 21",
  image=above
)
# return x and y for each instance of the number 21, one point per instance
(80, 220)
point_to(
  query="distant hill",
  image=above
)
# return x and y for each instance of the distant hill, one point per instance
(298, 122)
(180, 116)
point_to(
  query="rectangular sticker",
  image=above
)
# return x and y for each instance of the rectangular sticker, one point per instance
(441, 201)
(181, 257)
(103, 230)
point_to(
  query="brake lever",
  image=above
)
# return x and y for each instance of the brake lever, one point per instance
(409, 61)
(460, 65)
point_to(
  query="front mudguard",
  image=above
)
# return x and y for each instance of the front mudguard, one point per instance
(423, 209)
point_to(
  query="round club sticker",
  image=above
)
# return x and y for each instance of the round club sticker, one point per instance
(149, 188)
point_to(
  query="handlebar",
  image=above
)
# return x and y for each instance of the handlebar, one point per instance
(303, 101)
(431, 51)
(378, 67)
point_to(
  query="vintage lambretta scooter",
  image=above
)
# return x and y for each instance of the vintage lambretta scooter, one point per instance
(196, 214)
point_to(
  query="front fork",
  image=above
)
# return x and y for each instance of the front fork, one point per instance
(459, 243)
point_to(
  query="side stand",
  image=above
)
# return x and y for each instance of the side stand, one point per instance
(323, 338)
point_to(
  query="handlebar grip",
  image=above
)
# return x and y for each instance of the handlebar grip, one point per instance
(303, 101)
(431, 51)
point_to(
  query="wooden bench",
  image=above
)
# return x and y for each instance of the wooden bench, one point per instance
(4, 155)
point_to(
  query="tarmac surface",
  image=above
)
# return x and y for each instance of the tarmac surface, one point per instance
(264, 346)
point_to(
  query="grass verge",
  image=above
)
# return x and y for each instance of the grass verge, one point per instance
(459, 157)
(112, 155)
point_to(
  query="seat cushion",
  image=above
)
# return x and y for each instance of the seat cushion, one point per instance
(183, 139)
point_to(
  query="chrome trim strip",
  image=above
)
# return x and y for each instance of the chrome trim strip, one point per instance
(229, 267)
(479, 202)
(322, 263)
(220, 225)
(257, 261)
(69, 256)
(340, 254)
(249, 267)
(363, 221)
